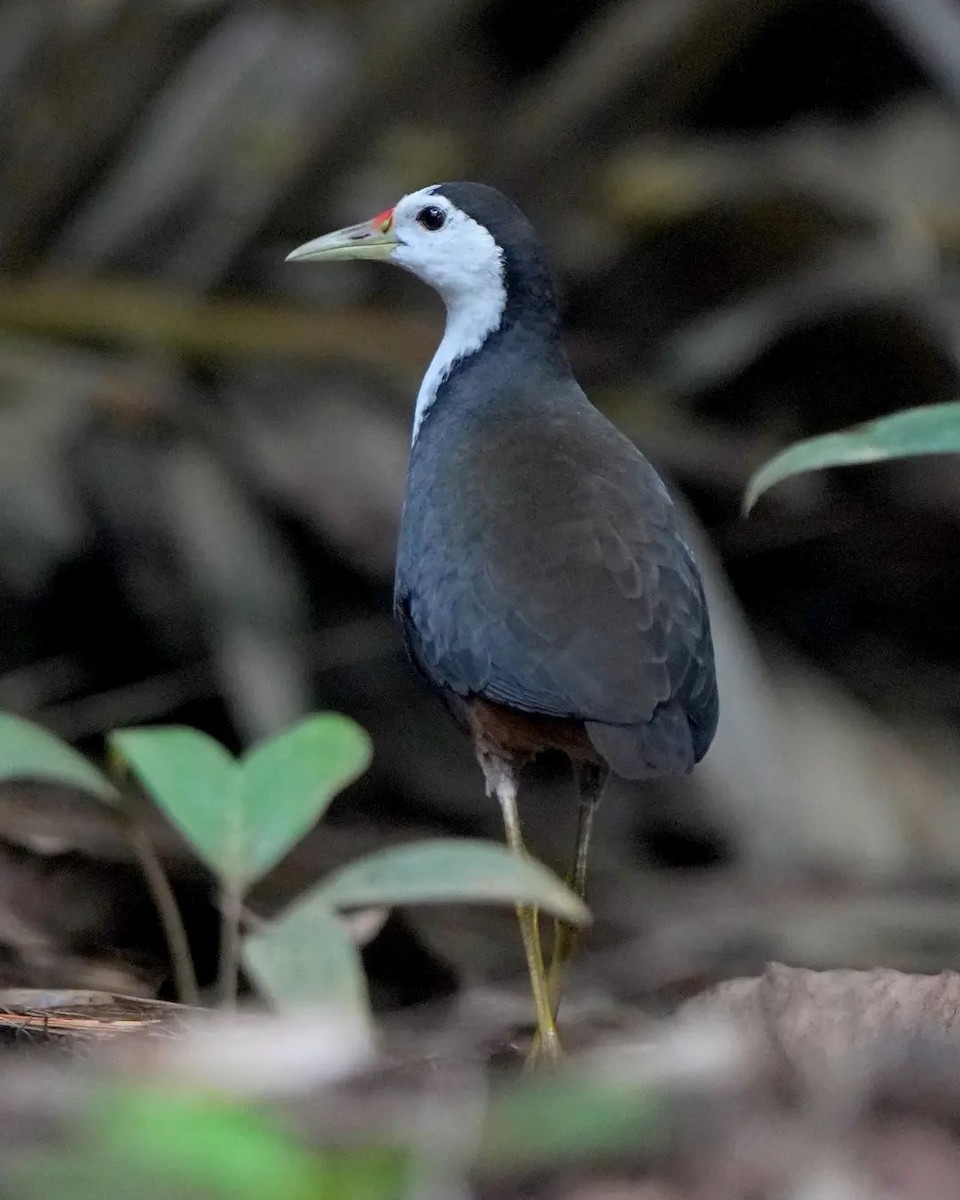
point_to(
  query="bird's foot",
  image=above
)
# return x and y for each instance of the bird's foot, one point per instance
(545, 1050)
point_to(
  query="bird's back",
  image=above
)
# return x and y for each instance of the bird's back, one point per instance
(541, 567)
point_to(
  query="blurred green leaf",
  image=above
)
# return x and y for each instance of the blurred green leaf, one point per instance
(242, 817)
(288, 782)
(562, 1119)
(932, 429)
(29, 752)
(306, 957)
(194, 781)
(206, 1142)
(167, 1145)
(450, 870)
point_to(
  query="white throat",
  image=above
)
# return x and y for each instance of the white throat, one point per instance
(471, 318)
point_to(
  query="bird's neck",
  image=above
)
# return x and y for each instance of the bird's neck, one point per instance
(471, 318)
(513, 302)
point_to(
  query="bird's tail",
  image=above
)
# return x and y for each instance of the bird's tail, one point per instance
(664, 745)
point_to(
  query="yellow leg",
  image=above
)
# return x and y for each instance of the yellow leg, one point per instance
(502, 783)
(566, 938)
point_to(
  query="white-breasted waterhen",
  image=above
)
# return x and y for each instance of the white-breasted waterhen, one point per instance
(543, 583)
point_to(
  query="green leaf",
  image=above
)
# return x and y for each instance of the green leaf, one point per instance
(554, 1120)
(932, 429)
(242, 817)
(306, 957)
(29, 752)
(289, 781)
(215, 1145)
(450, 870)
(195, 782)
(153, 1144)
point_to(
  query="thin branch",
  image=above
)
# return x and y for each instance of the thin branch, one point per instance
(168, 910)
(231, 916)
(149, 316)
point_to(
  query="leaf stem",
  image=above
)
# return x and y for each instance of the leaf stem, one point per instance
(168, 910)
(231, 915)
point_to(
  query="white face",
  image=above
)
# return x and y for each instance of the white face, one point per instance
(446, 248)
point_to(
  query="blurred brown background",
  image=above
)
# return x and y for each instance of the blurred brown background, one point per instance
(752, 207)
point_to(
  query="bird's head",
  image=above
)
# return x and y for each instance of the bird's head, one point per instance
(466, 240)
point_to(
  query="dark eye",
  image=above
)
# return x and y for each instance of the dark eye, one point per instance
(431, 218)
